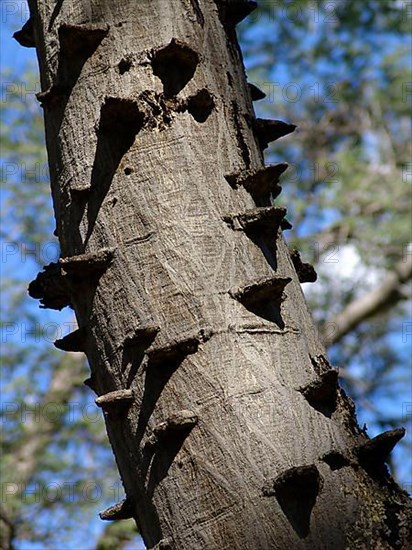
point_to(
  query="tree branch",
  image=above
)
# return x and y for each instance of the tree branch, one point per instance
(388, 293)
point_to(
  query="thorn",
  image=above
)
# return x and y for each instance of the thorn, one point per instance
(75, 341)
(259, 183)
(175, 64)
(285, 225)
(51, 288)
(53, 96)
(321, 394)
(80, 40)
(90, 383)
(181, 421)
(306, 272)
(265, 220)
(268, 288)
(121, 510)
(234, 11)
(177, 349)
(373, 453)
(271, 130)
(335, 460)
(256, 92)
(88, 264)
(25, 36)
(115, 402)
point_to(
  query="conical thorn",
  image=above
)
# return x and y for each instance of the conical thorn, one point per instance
(271, 130)
(74, 341)
(116, 401)
(255, 92)
(259, 183)
(88, 264)
(285, 225)
(268, 288)
(121, 510)
(373, 453)
(305, 271)
(25, 36)
(265, 220)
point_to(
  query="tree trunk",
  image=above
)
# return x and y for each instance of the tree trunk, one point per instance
(226, 420)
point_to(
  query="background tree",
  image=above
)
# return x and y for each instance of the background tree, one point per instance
(313, 196)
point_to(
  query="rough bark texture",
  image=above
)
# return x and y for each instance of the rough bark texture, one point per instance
(228, 425)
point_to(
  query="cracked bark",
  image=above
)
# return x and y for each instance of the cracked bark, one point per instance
(217, 409)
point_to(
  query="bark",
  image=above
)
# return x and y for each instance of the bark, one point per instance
(225, 417)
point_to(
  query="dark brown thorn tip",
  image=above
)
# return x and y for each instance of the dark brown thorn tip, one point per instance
(25, 36)
(255, 92)
(268, 288)
(259, 183)
(121, 510)
(373, 453)
(305, 271)
(75, 341)
(271, 130)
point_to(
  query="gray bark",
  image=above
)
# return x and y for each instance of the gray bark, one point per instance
(225, 417)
